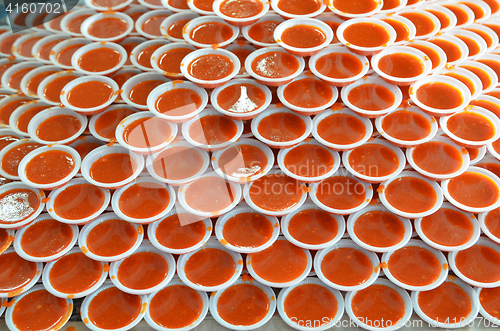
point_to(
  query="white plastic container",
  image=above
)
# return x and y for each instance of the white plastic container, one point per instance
(361, 49)
(195, 23)
(181, 264)
(310, 22)
(177, 282)
(343, 173)
(398, 96)
(53, 195)
(243, 115)
(170, 86)
(268, 17)
(7, 149)
(439, 177)
(441, 54)
(72, 15)
(490, 72)
(438, 254)
(296, 281)
(25, 38)
(84, 310)
(31, 155)
(165, 25)
(408, 143)
(352, 233)
(27, 287)
(33, 73)
(454, 83)
(306, 110)
(15, 69)
(346, 243)
(181, 196)
(108, 14)
(473, 221)
(132, 82)
(153, 227)
(474, 298)
(476, 82)
(244, 179)
(272, 81)
(240, 209)
(285, 221)
(193, 56)
(287, 15)
(484, 313)
(338, 147)
(271, 306)
(130, 120)
(8, 314)
(376, 179)
(157, 55)
(205, 163)
(99, 152)
(338, 81)
(452, 18)
(44, 115)
(408, 308)
(334, 154)
(86, 79)
(481, 242)
(14, 117)
(435, 187)
(459, 43)
(186, 126)
(401, 81)
(53, 291)
(280, 144)
(98, 45)
(169, 259)
(51, 78)
(141, 47)
(433, 18)
(64, 44)
(115, 201)
(156, 11)
(481, 44)
(95, 117)
(82, 239)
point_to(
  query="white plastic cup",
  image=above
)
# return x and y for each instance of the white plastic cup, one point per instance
(84, 232)
(173, 19)
(16, 68)
(9, 312)
(398, 96)
(481, 44)
(153, 227)
(46, 114)
(459, 43)
(278, 144)
(51, 186)
(27, 287)
(461, 87)
(337, 147)
(361, 49)
(433, 18)
(170, 86)
(219, 231)
(441, 54)
(129, 120)
(33, 73)
(155, 57)
(99, 152)
(205, 163)
(81, 80)
(212, 243)
(402, 81)
(476, 82)
(72, 15)
(319, 25)
(347, 243)
(268, 17)
(194, 23)
(475, 210)
(443, 122)
(139, 48)
(49, 79)
(132, 82)
(210, 112)
(272, 81)
(115, 266)
(108, 14)
(445, 11)
(20, 41)
(438, 254)
(64, 44)
(338, 81)
(287, 15)
(181, 195)
(236, 21)
(490, 72)
(20, 111)
(95, 117)
(97, 45)
(408, 308)
(53, 196)
(378, 207)
(84, 310)
(53, 291)
(115, 201)
(473, 221)
(188, 59)
(439, 177)
(156, 11)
